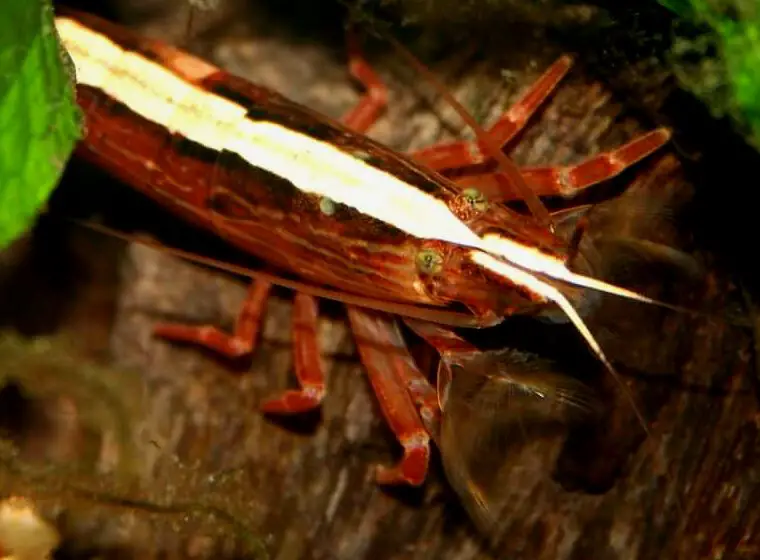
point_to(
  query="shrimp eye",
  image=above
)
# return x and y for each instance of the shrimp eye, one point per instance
(475, 199)
(429, 261)
(327, 206)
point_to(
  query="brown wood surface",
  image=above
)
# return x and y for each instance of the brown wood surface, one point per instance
(211, 477)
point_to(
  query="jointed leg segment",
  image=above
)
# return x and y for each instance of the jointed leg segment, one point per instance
(243, 340)
(392, 371)
(305, 361)
(566, 181)
(545, 181)
(455, 155)
(366, 112)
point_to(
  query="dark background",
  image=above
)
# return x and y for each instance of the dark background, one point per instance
(200, 473)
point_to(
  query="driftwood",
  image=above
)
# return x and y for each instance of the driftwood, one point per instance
(214, 478)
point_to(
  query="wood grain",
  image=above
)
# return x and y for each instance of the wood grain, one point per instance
(304, 488)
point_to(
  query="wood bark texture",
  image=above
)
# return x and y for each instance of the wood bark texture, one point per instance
(213, 478)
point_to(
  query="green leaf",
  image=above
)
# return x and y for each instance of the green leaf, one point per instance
(682, 8)
(728, 81)
(39, 120)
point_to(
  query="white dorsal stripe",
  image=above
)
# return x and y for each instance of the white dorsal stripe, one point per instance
(315, 167)
(534, 260)
(312, 166)
(526, 280)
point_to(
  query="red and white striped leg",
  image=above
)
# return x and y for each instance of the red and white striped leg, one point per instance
(566, 181)
(306, 362)
(241, 342)
(398, 384)
(455, 155)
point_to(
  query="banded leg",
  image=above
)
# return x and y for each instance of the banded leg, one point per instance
(306, 362)
(366, 112)
(566, 181)
(243, 339)
(398, 385)
(455, 155)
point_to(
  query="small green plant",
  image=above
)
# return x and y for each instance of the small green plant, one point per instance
(721, 64)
